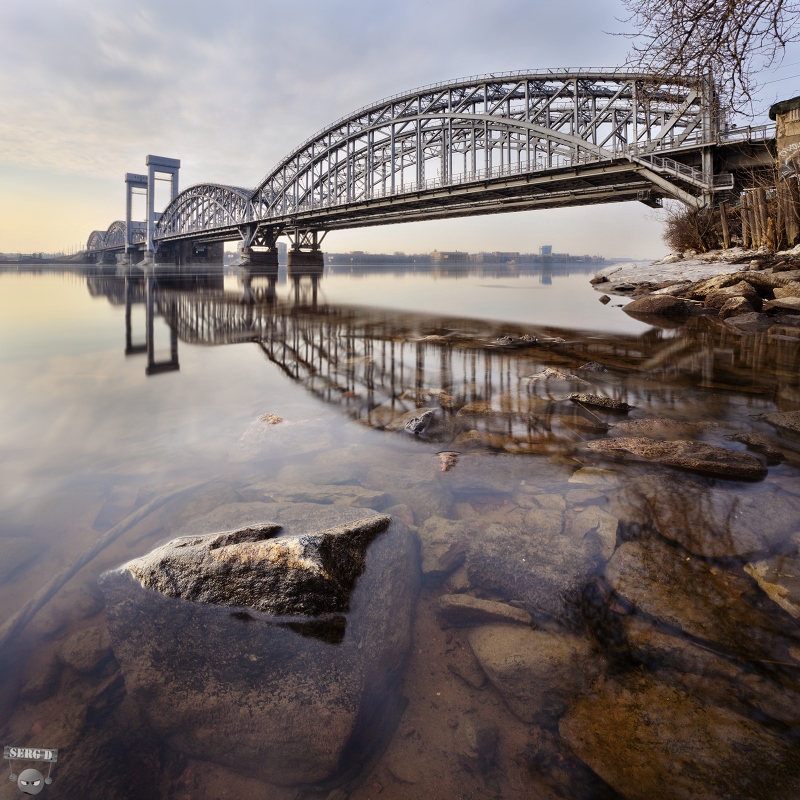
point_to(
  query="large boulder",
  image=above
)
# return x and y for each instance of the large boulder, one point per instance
(648, 739)
(734, 307)
(709, 518)
(242, 646)
(718, 297)
(659, 305)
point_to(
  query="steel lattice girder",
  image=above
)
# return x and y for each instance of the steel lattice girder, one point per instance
(467, 133)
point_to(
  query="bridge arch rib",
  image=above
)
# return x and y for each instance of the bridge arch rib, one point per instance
(95, 241)
(469, 131)
(204, 207)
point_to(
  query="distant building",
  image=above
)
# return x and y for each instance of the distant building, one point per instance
(451, 256)
(546, 250)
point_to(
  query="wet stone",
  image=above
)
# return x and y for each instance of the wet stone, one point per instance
(647, 739)
(340, 495)
(761, 444)
(594, 476)
(86, 649)
(785, 420)
(718, 298)
(700, 600)
(536, 672)
(598, 401)
(464, 610)
(445, 544)
(43, 673)
(462, 663)
(699, 457)
(595, 522)
(659, 305)
(538, 563)
(476, 742)
(753, 322)
(735, 306)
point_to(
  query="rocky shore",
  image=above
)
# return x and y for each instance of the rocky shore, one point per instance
(749, 289)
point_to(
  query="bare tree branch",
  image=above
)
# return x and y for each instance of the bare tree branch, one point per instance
(730, 39)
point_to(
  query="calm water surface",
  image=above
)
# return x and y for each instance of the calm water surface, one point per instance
(543, 618)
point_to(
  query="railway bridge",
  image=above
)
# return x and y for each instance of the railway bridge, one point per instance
(480, 145)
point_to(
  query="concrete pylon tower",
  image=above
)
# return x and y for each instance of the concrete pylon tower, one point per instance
(158, 165)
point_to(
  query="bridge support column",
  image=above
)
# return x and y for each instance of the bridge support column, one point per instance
(305, 256)
(133, 182)
(258, 260)
(192, 254)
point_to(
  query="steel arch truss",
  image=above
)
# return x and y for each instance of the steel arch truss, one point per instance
(455, 136)
(114, 237)
(204, 207)
(474, 130)
(96, 240)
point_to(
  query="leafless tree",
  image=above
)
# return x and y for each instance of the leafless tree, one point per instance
(731, 39)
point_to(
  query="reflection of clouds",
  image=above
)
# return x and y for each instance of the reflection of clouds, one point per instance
(97, 411)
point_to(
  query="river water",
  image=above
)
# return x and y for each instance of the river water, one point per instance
(543, 618)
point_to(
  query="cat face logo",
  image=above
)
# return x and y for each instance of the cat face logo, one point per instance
(30, 781)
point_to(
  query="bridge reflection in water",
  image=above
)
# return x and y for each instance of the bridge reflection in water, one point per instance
(481, 380)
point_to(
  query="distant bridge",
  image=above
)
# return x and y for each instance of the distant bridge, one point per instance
(481, 145)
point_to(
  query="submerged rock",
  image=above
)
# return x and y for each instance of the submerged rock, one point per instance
(710, 519)
(536, 672)
(15, 553)
(542, 563)
(445, 543)
(761, 444)
(463, 609)
(785, 420)
(699, 457)
(600, 402)
(647, 739)
(245, 648)
(661, 427)
(701, 600)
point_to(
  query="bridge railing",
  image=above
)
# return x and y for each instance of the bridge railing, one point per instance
(748, 133)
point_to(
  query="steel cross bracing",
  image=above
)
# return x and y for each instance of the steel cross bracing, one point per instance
(475, 146)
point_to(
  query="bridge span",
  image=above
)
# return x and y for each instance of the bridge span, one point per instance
(480, 145)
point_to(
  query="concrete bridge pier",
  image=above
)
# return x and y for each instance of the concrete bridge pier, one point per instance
(259, 261)
(191, 254)
(305, 254)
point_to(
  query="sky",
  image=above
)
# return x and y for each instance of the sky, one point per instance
(90, 87)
